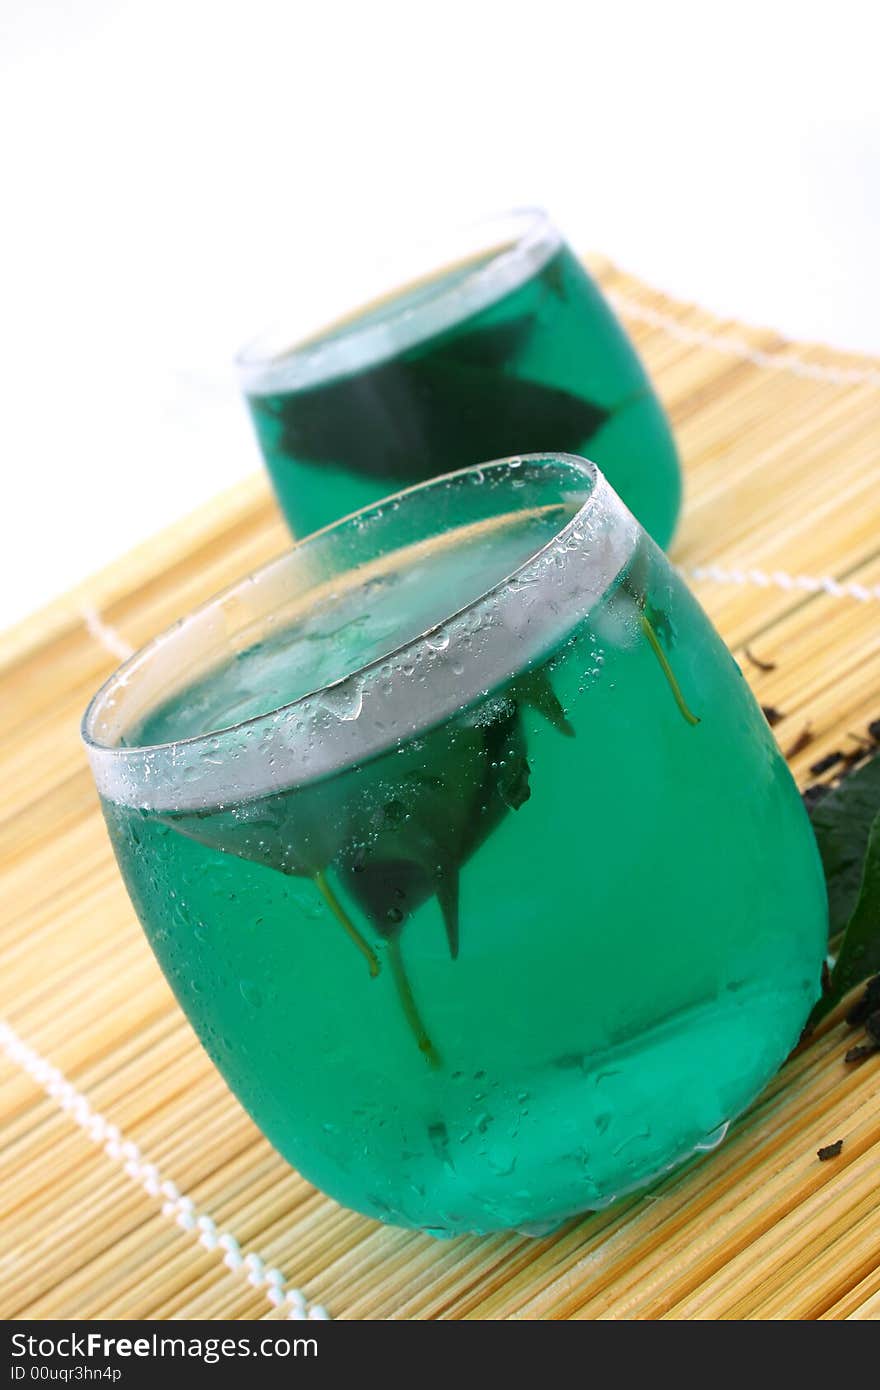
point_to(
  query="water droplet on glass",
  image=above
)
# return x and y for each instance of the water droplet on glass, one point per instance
(344, 701)
(713, 1138)
(250, 993)
(502, 1159)
(536, 1229)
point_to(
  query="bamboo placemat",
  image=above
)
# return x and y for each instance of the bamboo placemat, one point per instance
(132, 1185)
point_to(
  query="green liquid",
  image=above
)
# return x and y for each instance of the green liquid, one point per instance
(544, 368)
(522, 962)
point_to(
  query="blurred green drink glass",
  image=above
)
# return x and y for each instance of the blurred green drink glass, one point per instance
(497, 343)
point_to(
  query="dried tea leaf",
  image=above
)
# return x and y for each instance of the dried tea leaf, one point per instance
(802, 741)
(829, 1151)
(757, 662)
(825, 764)
(867, 1005)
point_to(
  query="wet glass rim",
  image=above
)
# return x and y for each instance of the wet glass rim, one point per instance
(572, 464)
(518, 243)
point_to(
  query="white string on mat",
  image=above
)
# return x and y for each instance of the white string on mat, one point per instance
(781, 579)
(731, 346)
(116, 645)
(183, 1210)
(108, 637)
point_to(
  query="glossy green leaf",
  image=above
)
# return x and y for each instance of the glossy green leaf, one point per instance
(847, 826)
(859, 954)
(842, 821)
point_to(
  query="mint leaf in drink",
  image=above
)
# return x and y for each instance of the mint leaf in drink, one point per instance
(392, 833)
(553, 276)
(409, 419)
(654, 622)
(295, 834)
(493, 346)
(442, 797)
(534, 689)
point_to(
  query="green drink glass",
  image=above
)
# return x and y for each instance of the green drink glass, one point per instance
(468, 852)
(498, 343)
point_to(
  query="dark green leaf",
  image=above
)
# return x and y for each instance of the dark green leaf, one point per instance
(868, 1004)
(534, 689)
(860, 953)
(395, 832)
(410, 419)
(493, 346)
(295, 833)
(842, 821)
(553, 276)
(424, 828)
(655, 622)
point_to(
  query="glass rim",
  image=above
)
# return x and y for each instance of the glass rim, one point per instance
(114, 763)
(518, 243)
(143, 654)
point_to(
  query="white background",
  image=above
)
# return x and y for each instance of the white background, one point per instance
(170, 171)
